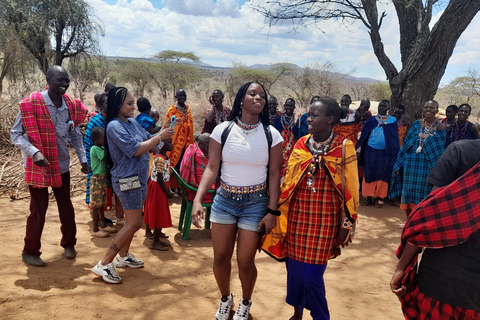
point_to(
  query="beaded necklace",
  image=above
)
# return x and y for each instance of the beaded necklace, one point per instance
(426, 130)
(287, 121)
(247, 129)
(272, 117)
(318, 149)
(457, 132)
(219, 116)
(382, 120)
(183, 110)
(245, 126)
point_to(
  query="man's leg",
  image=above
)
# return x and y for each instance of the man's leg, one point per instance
(36, 220)
(66, 212)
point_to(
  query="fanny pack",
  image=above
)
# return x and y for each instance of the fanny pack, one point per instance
(129, 183)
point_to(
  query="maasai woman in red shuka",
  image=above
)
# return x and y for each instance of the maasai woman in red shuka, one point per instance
(287, 125)
(446, 225)
(311, 203)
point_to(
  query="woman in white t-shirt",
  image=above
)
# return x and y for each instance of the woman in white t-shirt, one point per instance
(246, 202)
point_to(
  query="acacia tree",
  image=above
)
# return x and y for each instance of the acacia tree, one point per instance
(136, 73)
(424, 51)
(465, 88)
(315, 79)
(175, 73)
(83, 72)
(53, 30)
(176, 56)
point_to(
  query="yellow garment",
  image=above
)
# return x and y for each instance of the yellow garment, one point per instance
(298, 164)
(183, 136)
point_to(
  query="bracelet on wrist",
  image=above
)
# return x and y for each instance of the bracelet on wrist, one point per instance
(274, 212)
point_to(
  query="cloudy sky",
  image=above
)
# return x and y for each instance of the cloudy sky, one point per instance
(221, 32)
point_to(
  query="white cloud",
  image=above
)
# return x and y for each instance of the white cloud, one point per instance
(142, 5)
(191, 7)
(226, 8)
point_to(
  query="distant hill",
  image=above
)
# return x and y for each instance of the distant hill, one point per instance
(207, 66)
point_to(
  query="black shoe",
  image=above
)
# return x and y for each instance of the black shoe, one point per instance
(70, 253)
(108, 222)
(34, 261)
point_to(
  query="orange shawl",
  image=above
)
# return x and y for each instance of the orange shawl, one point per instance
(297, 167)
(183, 136)
(349, 131)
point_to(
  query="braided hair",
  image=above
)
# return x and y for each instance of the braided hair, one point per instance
(237, 108)
(116, 98)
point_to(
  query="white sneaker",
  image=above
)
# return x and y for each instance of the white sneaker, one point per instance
(223, 312)
(128, 261)
(108, 272)
(243, 310)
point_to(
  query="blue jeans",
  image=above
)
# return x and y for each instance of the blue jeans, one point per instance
(132, 199)
(246, 211)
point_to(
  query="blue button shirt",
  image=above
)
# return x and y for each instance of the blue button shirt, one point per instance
(124, 138)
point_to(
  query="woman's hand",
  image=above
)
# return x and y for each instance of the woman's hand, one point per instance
(197, 214)
(396, 283)
(165, 134)
(269, 221)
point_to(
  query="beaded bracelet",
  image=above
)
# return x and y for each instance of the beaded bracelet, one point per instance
(274, 212)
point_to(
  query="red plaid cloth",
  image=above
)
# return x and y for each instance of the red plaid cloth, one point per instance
(191, 170)
(447, 217)
(313, 220)
(39, 128)
(427, 308)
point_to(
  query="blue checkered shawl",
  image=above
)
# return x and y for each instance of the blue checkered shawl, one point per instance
(409, 178)
(378, 164)
(96, 121)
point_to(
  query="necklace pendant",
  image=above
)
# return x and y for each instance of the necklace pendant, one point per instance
(244, 142)
(419, 149)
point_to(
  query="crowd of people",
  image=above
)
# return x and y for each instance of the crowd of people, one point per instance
(287, 184)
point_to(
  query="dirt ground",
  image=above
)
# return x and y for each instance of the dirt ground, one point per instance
(179, 284)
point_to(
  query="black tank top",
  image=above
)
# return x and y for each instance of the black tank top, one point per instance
(452, 274)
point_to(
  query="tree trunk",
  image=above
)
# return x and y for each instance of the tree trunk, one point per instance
(427, 59)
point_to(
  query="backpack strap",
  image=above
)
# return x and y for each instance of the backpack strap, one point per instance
(224, 137)
(226, 132)
(268, 134)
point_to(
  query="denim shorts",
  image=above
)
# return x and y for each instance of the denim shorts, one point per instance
(245, 211)
(132, 199)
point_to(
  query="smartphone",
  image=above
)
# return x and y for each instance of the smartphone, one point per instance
(172, 124)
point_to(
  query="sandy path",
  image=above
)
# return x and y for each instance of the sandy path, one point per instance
(179, 284)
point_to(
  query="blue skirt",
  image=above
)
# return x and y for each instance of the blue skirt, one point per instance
(306, 288)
